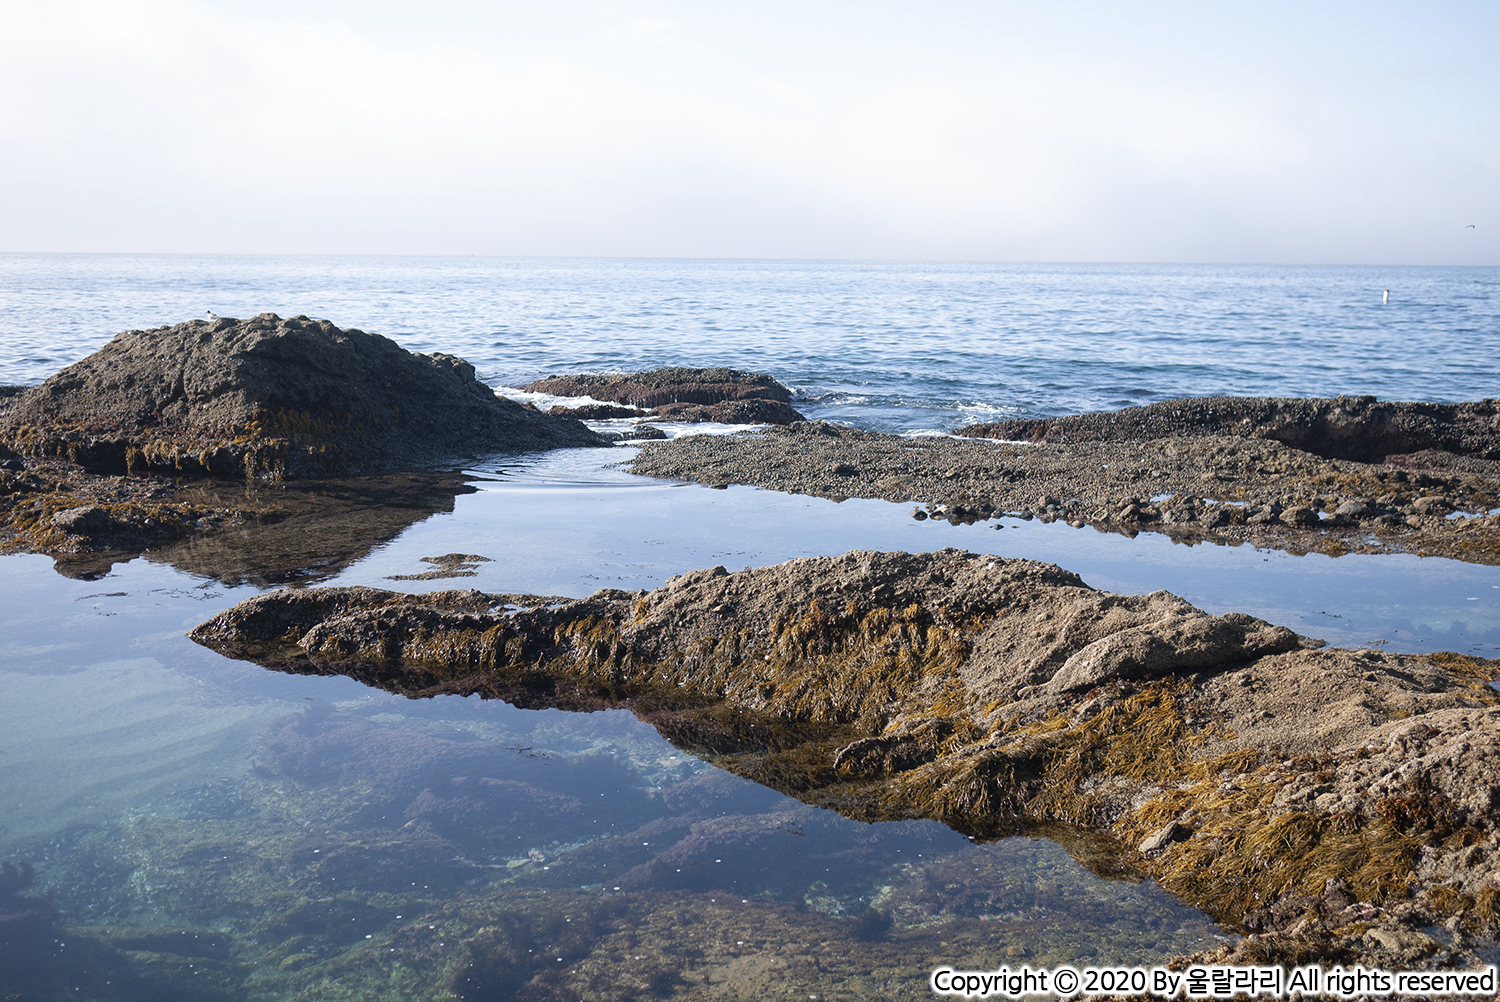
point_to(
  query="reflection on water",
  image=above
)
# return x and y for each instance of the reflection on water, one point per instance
(178, 825)
(566, 523)
(293, 533)
(199, 828)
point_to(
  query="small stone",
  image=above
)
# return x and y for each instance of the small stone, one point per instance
(1401, 940)
(1299, 515)
(82, 521)
(1162, 837)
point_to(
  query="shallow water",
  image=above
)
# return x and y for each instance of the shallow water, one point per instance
(210, 830)
(197, 820)
(568, 523)
(203, 821)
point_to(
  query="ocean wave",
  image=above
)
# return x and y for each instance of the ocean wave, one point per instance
(547, 401)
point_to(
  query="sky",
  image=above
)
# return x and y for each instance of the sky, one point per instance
(1226, 132)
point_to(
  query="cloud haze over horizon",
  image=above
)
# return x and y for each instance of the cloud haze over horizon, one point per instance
(1277, 133)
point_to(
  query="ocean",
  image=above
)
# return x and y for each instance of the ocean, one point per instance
(178, 825)
(904, 347)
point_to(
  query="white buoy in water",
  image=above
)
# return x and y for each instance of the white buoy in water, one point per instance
(1385, 299)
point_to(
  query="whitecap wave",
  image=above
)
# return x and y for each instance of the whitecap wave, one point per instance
(547, 401)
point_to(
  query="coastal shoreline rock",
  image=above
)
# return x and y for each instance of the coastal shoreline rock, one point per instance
(1220, 488)
(1309, 796)
(725, 396)
(270, 397)
(1358, 428)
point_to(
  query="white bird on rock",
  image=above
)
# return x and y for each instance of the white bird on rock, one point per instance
(211, 314)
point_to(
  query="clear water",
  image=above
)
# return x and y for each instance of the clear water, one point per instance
(279, 833)
(892, 346)
(208, 829)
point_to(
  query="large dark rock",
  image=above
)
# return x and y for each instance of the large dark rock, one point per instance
(679, 394)
(271, 397)
(1361, 429)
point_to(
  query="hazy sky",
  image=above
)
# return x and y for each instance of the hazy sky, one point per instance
(1235, 132)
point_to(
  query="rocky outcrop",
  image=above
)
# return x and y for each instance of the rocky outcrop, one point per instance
(1220, 487)
(271, 397)
(1360, 428)
(990, 693)
(723, 395)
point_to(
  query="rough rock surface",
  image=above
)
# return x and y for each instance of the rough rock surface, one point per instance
(1359, 428)
(727, 396)
(1326, 802)
(1216, 487)
(267, 396)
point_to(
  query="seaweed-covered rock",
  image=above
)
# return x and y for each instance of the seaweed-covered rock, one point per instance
(728, 396)
(272, 397)
(992, 693)
(831, 640)
(1359, 428)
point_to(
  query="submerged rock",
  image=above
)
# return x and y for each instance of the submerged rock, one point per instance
(727, 396)
(271, 397)
(989, 693)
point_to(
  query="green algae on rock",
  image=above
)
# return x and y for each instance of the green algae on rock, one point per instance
(271, 397)
(1249, 773)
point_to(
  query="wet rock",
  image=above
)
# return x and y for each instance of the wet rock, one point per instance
(1104, 484)
(597, 412)
(1357, 428)
(722, 395)
(729, 412)
(271, 397)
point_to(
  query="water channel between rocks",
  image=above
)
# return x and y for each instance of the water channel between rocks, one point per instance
(209, 829)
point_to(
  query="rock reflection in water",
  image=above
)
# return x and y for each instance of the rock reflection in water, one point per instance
(294, 532)
(550, 855)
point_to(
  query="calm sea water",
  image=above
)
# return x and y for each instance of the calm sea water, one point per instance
(206, 829)
(892, 346)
